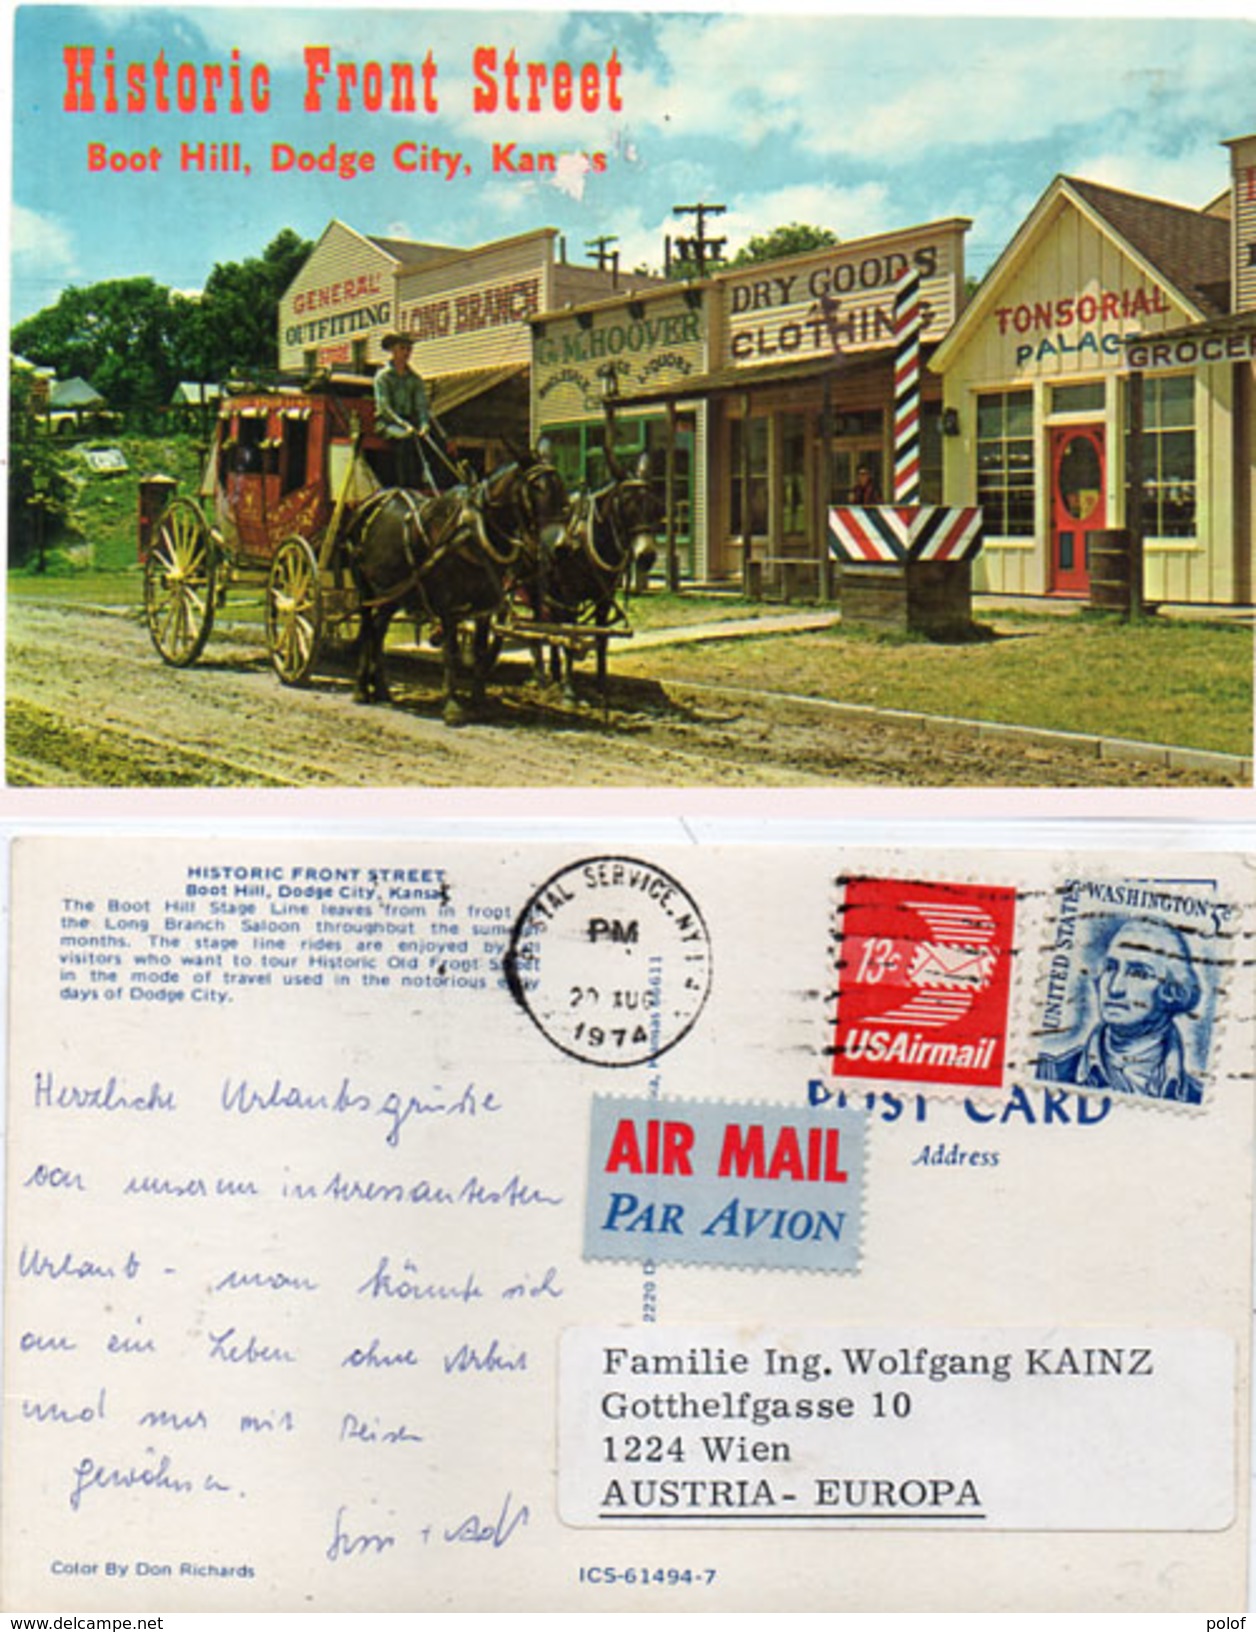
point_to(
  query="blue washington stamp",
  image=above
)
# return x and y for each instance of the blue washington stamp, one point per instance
(705, 1182)
(1129, 1001)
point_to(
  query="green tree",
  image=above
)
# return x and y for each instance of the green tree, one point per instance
(794, 239)
(134, 340)
(119, 335)
(40, 486)
(237, 327)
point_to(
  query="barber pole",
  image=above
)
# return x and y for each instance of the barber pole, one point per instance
(883, 534)
(905, 532)
(908, 325)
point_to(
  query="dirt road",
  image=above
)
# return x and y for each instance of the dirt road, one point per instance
(91, 704)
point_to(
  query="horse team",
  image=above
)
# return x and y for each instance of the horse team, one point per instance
(513, 551)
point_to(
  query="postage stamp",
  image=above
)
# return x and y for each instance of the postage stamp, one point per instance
(924, 972)
(1130, 997)
(706, 1182)
(611, 959)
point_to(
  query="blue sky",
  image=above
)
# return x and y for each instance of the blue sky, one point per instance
(859, 123)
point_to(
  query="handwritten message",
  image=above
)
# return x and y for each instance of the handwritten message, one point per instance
(278, 1210)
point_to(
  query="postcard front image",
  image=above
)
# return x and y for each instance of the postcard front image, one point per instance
(582, 381)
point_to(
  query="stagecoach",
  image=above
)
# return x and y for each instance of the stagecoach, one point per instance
(298, 502)
(286, 471)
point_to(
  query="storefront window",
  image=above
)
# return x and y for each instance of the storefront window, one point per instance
(1078, 399)
(862, 423)
(579, 451)
(793, 474)
(1169, 456)
(579, 456)
(656, 443)
(858, 437)
(566, 449)
(758, 475)
(1005, 463)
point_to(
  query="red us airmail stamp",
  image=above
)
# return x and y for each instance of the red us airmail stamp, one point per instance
(924, 974)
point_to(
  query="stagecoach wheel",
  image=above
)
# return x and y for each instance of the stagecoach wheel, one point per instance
(294, 611)
(180, 576)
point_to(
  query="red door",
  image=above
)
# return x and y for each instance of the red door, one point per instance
(1077, 504)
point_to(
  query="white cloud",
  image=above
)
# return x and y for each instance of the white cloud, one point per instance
(507, 202)
(1194, 179)
(41, 242)
(850, 212)
(905, 89)
(711, 87)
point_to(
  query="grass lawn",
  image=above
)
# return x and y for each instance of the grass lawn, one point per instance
(85, 588)
(1181, 682)
(659, 610)
(95, 559)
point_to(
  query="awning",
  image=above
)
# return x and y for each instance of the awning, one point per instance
(839, 369)
(450, 391)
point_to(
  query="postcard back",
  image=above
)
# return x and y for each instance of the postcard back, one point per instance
(450, 1225)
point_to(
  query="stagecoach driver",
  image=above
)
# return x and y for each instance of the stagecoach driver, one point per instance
(402, 412)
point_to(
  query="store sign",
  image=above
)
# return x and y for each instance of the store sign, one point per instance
(664, 346)
(1089, 325)
(337, 324)
(332, 296)
(470, 311)
(1148, 356)
(839, 300)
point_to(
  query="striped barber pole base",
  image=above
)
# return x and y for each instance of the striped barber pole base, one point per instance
(889, 534)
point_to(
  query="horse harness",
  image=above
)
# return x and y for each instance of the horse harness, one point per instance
(423, 553)
(593, 507)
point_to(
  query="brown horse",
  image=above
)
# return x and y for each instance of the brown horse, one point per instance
(577, 572)
(442, 560)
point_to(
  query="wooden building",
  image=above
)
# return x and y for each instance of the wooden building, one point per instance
(784, 394)
(593, 358)
(467, 309)
(1109, 308)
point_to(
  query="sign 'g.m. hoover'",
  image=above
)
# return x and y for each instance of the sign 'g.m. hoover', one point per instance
(655, 341)
(841, 299)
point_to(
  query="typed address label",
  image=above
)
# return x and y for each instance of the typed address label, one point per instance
(980, 1428)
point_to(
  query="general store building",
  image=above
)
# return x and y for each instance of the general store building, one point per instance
(467, 309)
(1037, 377)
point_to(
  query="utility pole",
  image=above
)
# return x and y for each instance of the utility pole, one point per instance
(605, 255)
(700, 249)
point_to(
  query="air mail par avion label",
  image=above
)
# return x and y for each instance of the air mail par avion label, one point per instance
(924, 975)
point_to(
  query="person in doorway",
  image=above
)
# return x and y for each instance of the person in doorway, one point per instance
(865, 490)
(402, 413)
